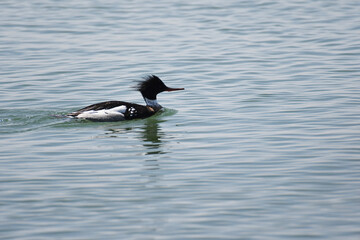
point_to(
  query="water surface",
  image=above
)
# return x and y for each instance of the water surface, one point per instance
(263, 144)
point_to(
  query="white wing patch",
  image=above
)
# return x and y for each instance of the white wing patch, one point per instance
(121, 109)
(112, 114)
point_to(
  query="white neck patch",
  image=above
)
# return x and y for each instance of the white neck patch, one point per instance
(152, 103)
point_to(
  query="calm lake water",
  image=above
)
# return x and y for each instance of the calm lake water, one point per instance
(264, 143)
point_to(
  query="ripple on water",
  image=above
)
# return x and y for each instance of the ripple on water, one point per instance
(263, 143)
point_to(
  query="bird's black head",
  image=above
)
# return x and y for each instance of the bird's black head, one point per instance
(152, 85)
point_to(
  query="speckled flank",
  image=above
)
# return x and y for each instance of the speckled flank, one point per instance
(132, 112)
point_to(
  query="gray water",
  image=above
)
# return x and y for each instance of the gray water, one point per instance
(262, 144)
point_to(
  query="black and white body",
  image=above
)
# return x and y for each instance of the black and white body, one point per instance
(119, 110)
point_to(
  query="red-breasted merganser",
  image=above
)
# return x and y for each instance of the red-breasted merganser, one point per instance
(119, 110)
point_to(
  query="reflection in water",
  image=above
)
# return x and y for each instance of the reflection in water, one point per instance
(151, 135)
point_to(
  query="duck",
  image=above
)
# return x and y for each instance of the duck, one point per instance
(112, 111)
